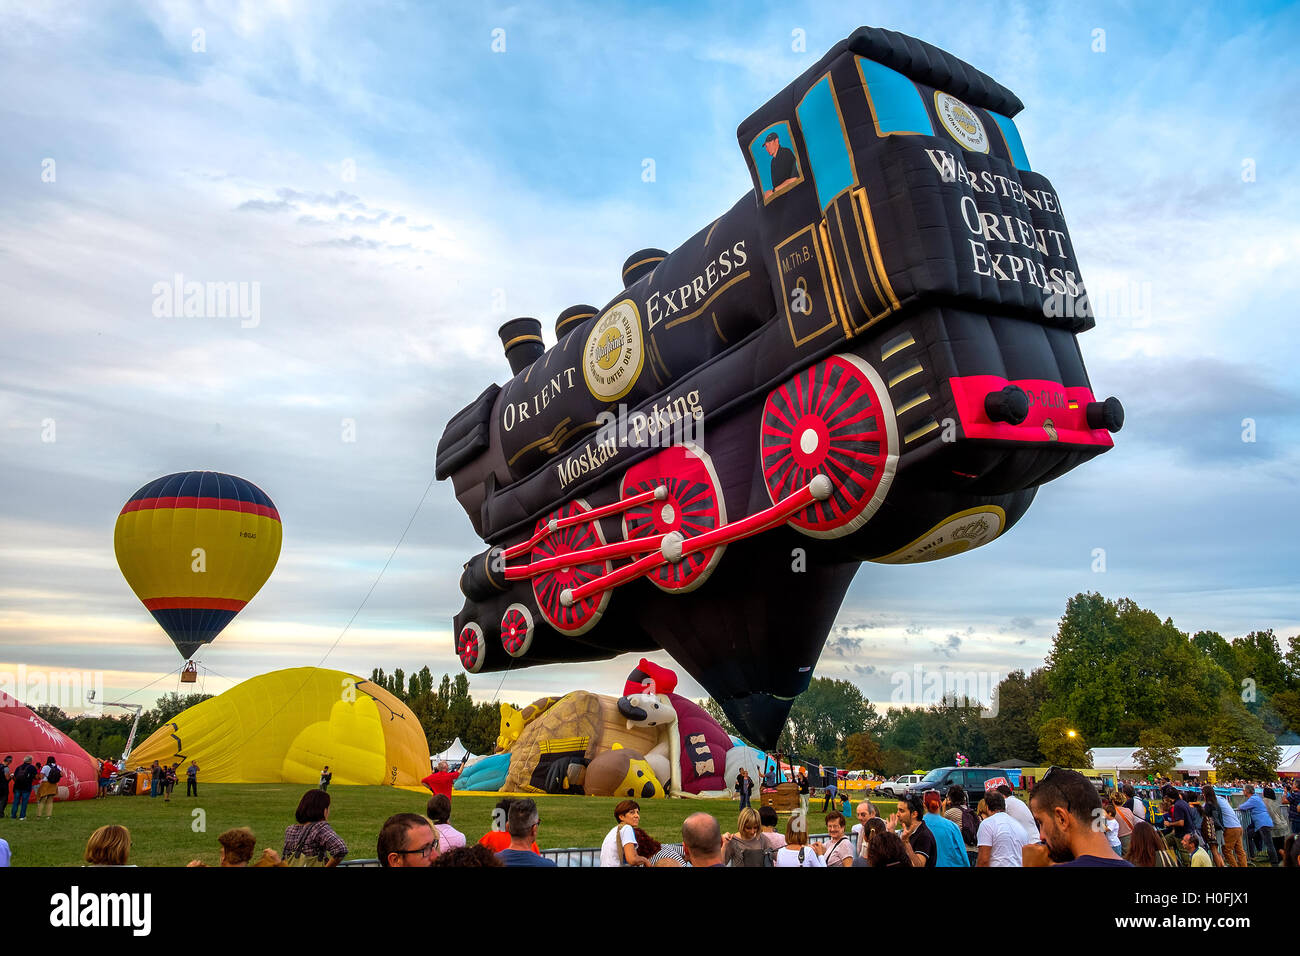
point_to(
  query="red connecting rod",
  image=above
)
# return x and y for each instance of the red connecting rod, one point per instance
(819, 489)
(654, 494)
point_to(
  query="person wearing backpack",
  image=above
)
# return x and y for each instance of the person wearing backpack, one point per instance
(5, 779)
(24, 778)
(51, 774)
(956, 810)
(798, 852)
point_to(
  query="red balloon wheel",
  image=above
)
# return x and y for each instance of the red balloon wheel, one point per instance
(471, 647)
(835, 419)
(693, 506)
(517, 630)
(547, 587)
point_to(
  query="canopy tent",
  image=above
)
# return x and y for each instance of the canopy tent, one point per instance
(1290, 762)
(1011, 764)
(455, 753)
(1191, 760)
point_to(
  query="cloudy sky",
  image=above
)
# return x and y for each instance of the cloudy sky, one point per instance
(396, 188)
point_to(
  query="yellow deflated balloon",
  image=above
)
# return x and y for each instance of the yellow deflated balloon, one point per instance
(195, 548)
(285, 726)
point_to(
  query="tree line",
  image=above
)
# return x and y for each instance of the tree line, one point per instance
(1117, 676)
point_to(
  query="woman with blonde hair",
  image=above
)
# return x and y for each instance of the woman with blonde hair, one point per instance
(746, 847)
(109, 846)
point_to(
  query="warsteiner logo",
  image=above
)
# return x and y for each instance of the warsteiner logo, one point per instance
(960, 120)
(614, 352)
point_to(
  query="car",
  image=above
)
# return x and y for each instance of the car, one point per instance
(899, 784)
(970, 779)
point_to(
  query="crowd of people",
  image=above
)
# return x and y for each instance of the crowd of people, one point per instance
(23, 779)
(1064, 821)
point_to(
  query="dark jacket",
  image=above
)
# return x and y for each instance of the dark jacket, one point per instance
(25, 776)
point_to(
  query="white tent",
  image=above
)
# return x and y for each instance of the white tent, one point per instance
(1191, 760)
(454, 754)
(1290, 762)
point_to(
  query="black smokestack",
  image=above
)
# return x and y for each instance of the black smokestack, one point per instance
(522, 341)
(641, 263)
(572, 317)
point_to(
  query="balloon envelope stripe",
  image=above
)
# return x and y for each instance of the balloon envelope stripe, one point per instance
(191, 501)
(193, 604)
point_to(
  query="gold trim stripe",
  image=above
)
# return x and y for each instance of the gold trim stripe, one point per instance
(654, 348)
(581, 317)
(912, 403)
(870, 223)
(707, 302)
(872, 317)
(894, 346)
(718, 329)
(923, 430)
(522, 338)
(558, 745)
(643, 262)
(556, 435)
(905, 374)
(871, 271)
(837, 281)
(654, 366)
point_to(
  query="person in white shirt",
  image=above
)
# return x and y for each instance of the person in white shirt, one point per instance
(797, 850)
(1112, 827)
(866, 810)
(1000, 838)
(1019, 813)
(619, 846)
(1139, 808)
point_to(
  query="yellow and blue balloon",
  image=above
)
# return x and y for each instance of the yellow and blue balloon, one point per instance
(195, 548)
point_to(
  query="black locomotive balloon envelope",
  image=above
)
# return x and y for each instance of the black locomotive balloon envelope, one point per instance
(871, 356)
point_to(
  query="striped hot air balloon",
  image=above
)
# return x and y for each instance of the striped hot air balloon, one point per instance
(195, 548)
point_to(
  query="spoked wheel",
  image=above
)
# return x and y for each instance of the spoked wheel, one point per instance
(693, 505)
(517, 630)
(471, 647)
(547, 587)
(835, 419)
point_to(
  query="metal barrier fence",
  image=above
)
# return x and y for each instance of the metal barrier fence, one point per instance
(582, 856)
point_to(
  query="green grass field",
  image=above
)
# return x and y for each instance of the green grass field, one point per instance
(172, 834)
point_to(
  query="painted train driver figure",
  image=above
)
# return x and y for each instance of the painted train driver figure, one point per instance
(785, 168)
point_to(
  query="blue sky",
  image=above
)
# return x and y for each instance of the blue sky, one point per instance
(397, 189)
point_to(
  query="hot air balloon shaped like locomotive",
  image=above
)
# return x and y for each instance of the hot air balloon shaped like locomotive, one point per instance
(872, 356)
(195, 547)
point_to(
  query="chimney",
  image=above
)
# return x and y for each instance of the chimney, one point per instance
(571, 318)
(522, 341)
(640, 264)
